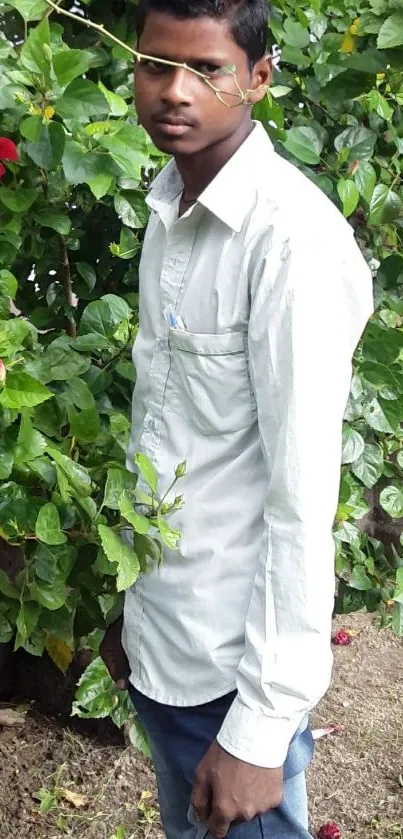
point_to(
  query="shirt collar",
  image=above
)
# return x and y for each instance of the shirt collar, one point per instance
(231, 194)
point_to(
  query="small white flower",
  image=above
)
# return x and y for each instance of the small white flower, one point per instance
(275, 56)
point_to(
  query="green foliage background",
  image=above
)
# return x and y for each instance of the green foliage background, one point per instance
(72, 215)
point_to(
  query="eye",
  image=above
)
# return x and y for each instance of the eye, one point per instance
(208, 69)
(154, 67)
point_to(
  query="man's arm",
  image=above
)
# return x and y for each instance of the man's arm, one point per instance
(306, 320)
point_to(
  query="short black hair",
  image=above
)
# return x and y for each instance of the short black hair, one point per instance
(248, 19)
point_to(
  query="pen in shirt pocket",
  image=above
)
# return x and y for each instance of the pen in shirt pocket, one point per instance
(173, 320)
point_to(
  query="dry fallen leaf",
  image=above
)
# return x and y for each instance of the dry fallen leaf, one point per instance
(318, 733)
(74, 798)
(9, 718)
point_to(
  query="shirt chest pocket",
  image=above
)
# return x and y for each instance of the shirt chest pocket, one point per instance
(209, 381)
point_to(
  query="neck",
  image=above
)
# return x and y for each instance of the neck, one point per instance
(198, 170)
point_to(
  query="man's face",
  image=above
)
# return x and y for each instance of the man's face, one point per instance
(178, 109)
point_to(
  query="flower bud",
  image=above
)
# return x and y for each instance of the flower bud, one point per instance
(3, 374)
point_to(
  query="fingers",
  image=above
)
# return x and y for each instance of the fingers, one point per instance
(122, 684)
(114, 656)
(219, 824)
(201, 799)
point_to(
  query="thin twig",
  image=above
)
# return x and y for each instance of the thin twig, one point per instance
(99, 27)
(66, 282)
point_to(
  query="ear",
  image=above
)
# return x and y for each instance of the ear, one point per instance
(261, 78)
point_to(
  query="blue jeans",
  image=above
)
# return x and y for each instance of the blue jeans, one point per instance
(180, 737)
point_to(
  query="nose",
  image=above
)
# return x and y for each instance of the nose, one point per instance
(178, 88)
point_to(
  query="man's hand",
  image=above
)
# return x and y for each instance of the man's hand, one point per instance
(228, 790)
(114, 656)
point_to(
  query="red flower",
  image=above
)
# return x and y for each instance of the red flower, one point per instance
(342, 638)
(330, 830)
(8, 151)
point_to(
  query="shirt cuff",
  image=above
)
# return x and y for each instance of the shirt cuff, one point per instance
(256, 738)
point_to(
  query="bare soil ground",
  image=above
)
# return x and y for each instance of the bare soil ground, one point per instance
(57, 783)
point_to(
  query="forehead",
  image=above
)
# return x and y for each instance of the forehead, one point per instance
(185, 40)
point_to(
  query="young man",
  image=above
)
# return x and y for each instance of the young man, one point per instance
(253, 296)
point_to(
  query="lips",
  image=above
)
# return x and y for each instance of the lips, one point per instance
(173, 126)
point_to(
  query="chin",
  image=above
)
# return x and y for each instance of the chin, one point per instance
(175, 146)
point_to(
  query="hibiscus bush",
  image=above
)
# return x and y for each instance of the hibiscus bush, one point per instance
(74, 171)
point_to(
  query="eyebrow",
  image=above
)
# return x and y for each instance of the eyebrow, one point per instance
(218, 60)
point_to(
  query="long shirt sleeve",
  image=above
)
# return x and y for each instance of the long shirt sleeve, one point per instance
(304, 327)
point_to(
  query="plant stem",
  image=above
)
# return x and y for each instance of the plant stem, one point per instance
(99, 27)
(66, 281)
(170, 488)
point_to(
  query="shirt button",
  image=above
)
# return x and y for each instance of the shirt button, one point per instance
(161, 344)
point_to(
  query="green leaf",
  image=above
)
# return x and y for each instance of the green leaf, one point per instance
(47, 528)
(398, 593)
(77, 476)
(295, 34)
(147, 471)
(60, 361)
(7, 588)
(6, 462)
(169, 537)
(81, 99)
(365, 179)
(359, 141)
(53, 219)
(397, 620)
(121, 553)
(68, 64)
(119, 483)
(349, 196)
(392, 410)
(17, 200)
(82, 166)
(26, 621)
(30, 442)
(13, 334)
(369, 467)
(87, 273)
(353, 445)
(85, 425)
(96, 694)
(378, 103)
(48, 148)
(140, 523)
(100, 184)
(304, 143)
(29, 9)
(104, 316)
(51, 596)
(80, 393)
(117, 105)
(31, 127)
(35, 50)
(126, 212)
(8, 284)
(138, 738)
(6, 631)
(385, 205)
(22, 391)
(127, 149)
(359, 579)
(391, 500)
(391, 32)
